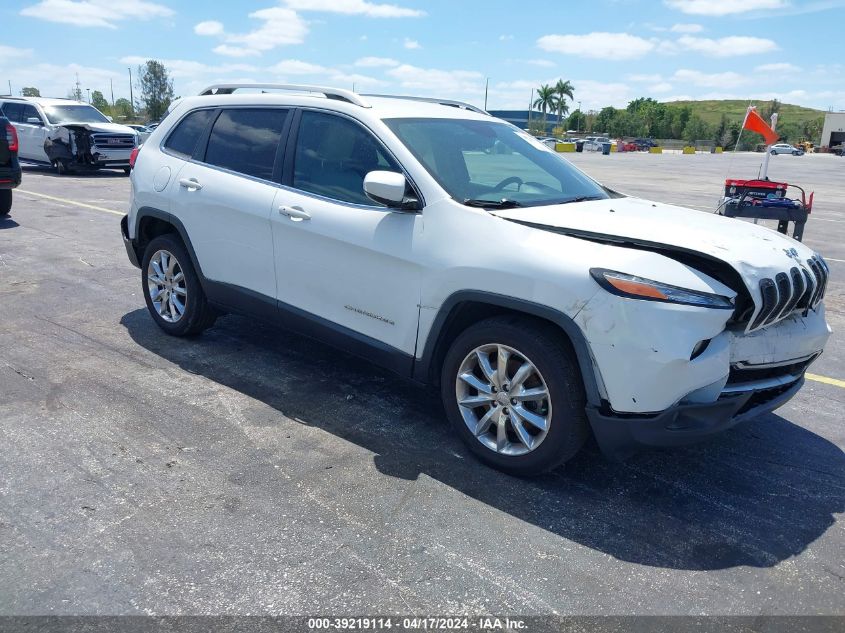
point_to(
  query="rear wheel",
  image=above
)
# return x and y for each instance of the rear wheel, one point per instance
(5, 202)
(773, 152)
(513, 392)
(172, 289)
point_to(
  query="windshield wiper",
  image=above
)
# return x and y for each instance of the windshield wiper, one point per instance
(504, 203)
(578, 199)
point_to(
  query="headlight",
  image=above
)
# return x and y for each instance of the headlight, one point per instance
(635, 287)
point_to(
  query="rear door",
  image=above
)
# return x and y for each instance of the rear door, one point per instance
(224, 198)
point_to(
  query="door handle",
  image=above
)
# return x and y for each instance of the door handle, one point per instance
(295, 213)
(190, 183)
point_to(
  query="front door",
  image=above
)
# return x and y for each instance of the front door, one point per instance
(341, 257)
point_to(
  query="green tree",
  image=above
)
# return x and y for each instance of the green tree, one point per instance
(156, 88)
(576, 121)
(546, 100)
(696, 129)
(99, 101)
(30, 92)
(563, 89)
(605, 119)
(122, 108)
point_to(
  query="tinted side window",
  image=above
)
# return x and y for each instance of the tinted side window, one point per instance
(13, 111)
(30, 111)
(333, 155)
(246, 140)
(184, 138)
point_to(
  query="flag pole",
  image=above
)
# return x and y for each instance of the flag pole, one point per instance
(765, 174)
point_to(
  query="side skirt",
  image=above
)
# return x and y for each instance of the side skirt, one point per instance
(231, 298)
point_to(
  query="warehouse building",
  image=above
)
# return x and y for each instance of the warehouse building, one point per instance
(833, 133)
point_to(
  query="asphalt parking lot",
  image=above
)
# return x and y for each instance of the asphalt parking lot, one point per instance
(253, 472)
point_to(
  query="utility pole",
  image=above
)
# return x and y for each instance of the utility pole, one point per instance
(131, 97)
(89, 95)
(486, 86)
(580, 114)
(530, 105)
(10, 87)
(111, 86)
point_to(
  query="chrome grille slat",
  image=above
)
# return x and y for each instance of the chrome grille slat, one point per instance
(799, 289)
(102, 140)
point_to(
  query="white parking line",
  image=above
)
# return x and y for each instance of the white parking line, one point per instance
(74, 202)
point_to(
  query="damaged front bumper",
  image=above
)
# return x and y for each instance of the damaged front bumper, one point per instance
(81, 147)
(761, 372)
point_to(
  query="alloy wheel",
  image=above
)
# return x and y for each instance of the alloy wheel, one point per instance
(503, 399)
(166, 285)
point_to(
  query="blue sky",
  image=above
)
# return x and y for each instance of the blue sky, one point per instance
(611, 50)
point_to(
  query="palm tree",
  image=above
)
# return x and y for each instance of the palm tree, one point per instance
(563, 89)
(545, 100)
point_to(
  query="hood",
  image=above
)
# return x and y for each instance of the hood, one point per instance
(749, 248)
(754, 252)
(109, 128)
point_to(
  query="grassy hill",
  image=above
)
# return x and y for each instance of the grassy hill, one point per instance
(712, 111)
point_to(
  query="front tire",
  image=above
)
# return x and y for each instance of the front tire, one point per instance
(172, 289)
(773, 153)
(513, 392)
(5, 202)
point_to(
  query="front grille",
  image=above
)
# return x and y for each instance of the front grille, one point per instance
(103, 141)
(800, 289)
(764, 396)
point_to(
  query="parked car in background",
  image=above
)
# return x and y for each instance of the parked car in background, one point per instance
(142, 131)
(572, 310)
(152, 125)
(786, 148)
(10, 168)
(595, 143)
(644, 144)
(69, 135)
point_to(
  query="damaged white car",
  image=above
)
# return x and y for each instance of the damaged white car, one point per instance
(456, 250)
(69, 135)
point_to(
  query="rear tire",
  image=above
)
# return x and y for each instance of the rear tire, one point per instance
(526, 421)
(172, 289)
(773, 153)
(5, 202)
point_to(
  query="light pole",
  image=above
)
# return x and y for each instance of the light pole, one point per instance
(580, 114)
(89, 95)
(131, 96)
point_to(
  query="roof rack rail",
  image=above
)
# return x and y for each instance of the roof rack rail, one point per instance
(446, 102)
(330, 93)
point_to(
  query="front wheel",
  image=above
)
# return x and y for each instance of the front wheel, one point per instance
(172, 289)
(513, 392)
(5, 202)
(773, 153)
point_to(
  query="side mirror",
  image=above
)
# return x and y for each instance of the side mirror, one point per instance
(34, 120)
(388, 188)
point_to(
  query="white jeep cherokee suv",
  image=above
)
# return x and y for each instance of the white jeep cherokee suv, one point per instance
(454, 249)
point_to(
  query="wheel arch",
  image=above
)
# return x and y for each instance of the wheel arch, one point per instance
(151, 223)
(462, 309)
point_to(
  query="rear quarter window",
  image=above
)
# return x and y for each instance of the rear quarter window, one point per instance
(13, 111)
(184, 137)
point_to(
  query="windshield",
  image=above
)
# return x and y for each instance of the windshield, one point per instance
(478, 162)
(74, 114)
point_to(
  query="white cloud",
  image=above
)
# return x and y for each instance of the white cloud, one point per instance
(780, 67)
(98, 13)
(354, 7)
(57, 80)
(662, 86)
(732, 46)
(9, 52)
(437, 82)
(598, 45)
(209, 27)
(686, 28)
(723, 7)
(280, 27)
(709, 80)
(411, 44)
(296, 67)
(505, 38)
(375, 62)
(544, 63)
